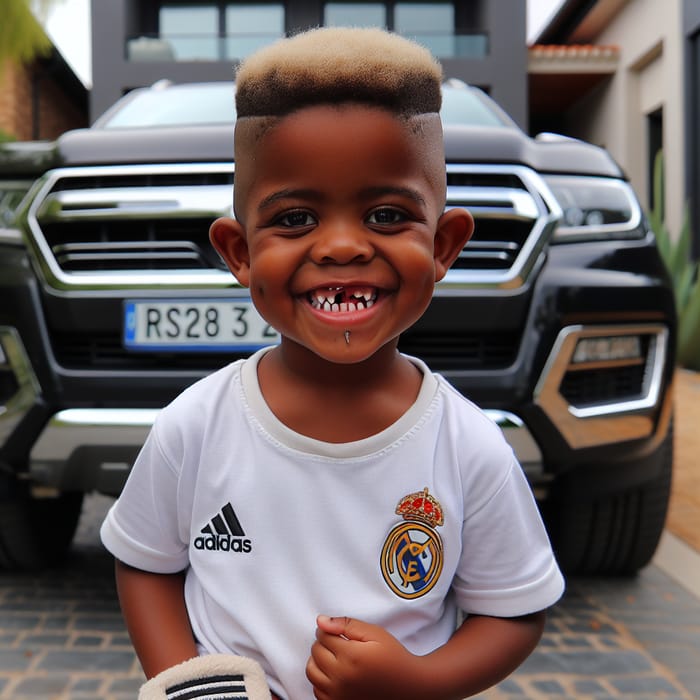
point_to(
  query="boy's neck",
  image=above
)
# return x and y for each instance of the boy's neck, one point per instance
(337, 402)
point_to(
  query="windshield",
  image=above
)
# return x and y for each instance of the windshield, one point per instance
(213, 103)
(176, 105)
(471, 107)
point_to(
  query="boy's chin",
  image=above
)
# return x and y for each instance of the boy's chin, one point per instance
(346, 350)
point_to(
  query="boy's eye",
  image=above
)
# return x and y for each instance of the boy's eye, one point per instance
(293, 219)
(386, 216)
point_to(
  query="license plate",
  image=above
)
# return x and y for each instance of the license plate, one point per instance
(195, 325)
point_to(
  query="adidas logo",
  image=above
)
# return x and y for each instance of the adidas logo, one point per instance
(223, 534)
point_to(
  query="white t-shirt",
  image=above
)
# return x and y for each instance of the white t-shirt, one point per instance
(275, 528)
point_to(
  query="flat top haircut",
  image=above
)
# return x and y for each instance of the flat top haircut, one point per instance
(339, 64)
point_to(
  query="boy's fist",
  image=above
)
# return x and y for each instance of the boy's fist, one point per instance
(352, 659)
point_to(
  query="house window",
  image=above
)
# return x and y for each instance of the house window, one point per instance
(433, 24)
(355, 14)
(251, 26)
(429, 23)
(219, 31)
(191, 31)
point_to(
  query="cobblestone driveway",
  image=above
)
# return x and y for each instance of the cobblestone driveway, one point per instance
(61, 636)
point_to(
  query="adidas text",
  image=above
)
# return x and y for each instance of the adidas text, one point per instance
(223, 543)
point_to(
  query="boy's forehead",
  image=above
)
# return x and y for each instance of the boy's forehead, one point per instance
(418, 132)
(415, 141)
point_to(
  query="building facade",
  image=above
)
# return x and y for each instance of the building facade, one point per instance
(137, 42)
(646, 96)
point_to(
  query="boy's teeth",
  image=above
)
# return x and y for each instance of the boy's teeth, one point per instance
(336, 299)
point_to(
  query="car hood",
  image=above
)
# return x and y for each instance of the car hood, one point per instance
(553, 154)
(189, 144)
(214, 143)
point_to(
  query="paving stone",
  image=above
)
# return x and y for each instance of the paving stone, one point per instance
(88, 641)
(511, 687)
(42, 686)
(586, 663)
(86, 685)
(18, 622)
(45, 639)
(114, 661)
(550, 687)
(590, 688)
(14, 660)
(126, 685)
(659, 687)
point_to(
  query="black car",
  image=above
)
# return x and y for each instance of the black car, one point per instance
(558, 317)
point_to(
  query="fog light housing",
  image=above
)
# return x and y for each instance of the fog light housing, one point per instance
(608, 349)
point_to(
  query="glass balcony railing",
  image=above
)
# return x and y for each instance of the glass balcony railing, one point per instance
(195, 47)
(451, 45)
(232, 47)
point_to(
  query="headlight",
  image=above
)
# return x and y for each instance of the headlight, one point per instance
(595, 207)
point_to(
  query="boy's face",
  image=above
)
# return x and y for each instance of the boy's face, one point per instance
(340, 226)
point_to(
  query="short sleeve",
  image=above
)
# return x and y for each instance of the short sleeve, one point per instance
(507, 567)
(141, 529)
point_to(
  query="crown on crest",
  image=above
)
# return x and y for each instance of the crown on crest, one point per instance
(421, 506)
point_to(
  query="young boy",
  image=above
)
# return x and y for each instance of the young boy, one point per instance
(326, 506)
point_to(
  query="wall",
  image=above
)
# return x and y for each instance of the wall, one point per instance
(33, 106)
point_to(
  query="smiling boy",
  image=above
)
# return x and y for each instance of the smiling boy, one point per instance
(346, 500)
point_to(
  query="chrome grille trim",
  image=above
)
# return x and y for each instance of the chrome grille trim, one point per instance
(502, 258)
(139, 226)
(607, 421)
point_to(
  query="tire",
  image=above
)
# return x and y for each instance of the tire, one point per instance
(36, 533)
(616, 534)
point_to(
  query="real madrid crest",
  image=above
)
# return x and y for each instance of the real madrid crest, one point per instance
(412, 555)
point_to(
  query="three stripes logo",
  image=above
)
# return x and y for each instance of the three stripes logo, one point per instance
(223, 533)
(226, 687)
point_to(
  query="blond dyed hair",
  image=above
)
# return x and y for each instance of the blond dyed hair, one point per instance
(335, 65)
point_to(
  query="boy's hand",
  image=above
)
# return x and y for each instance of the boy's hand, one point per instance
(353, 659)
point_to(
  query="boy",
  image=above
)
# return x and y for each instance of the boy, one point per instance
(331, 482)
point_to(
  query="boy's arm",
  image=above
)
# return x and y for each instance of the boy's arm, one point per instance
(156, 617)
(154, 609)
(352, 659)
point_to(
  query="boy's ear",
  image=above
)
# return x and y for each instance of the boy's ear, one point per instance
(454, 229)
(229, 239)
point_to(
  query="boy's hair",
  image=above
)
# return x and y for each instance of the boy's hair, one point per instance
(335, 65)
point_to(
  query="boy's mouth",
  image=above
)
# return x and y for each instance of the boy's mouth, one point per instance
(342, 299)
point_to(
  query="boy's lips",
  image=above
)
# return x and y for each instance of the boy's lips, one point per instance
(338, 299)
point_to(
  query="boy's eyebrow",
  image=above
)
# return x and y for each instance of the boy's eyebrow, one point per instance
(374, 191)
(408, 192)
(286, 194)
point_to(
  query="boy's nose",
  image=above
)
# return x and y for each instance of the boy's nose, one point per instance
(341, 244)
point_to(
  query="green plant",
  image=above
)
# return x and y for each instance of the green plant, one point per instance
(676, 254)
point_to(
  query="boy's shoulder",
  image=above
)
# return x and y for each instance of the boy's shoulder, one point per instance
(196, 404)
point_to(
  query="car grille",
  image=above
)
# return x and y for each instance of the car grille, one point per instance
(114, 227)
(443, 351)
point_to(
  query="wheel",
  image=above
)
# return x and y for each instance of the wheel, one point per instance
(35, 533)
(616, 534)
